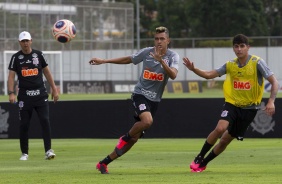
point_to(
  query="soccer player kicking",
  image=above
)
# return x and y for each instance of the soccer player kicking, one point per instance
(243, 89)
(159, 64)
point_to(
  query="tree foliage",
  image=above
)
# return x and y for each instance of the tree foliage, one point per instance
(212, 18)
(273, 13)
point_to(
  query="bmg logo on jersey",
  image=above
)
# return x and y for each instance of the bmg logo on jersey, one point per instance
(153, 76)
(240, 85)
(29, 72)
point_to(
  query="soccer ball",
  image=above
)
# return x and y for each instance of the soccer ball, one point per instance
(64, 30)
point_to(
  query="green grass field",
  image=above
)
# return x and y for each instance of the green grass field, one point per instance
(154, 161)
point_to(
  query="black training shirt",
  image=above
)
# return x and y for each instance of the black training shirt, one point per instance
(29, 69)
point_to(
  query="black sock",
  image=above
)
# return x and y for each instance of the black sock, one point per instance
(209, 158)
(126, 137)
(106, 160)
(206, 147)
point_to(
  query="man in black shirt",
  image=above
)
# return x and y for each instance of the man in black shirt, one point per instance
(29, 65)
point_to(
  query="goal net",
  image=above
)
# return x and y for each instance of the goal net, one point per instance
(55, 64)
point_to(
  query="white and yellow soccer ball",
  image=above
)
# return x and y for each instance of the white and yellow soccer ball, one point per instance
(64, 30)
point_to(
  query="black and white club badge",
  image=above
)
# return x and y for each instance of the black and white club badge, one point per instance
(4, 116)
(263, 123)
(34, 55)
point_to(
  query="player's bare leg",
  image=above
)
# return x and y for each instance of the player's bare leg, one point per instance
(220, 128)
(210, 142)
(146, 120)
(223, 143)
(126, 148)
(225, 140)
(126, 142)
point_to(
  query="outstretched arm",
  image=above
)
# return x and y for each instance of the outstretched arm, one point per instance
(121, 60)
(202, 73)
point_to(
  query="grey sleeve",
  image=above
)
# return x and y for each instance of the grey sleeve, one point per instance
(221, 70)
(140, 55)
(175, 61)
(263, 69)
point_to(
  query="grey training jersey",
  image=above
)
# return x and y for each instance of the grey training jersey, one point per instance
(153, 78)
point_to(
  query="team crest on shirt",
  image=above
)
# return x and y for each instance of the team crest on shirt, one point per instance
(224, 113)
(35, 61)
(166, 61)
(263, 123)
(20, 57)
(142, 107)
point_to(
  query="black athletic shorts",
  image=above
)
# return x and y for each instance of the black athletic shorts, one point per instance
(142, 104)
(29, 103)
(239, 119)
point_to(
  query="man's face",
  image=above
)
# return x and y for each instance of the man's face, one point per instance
(25, 44)
(241, 50)
(161, 41)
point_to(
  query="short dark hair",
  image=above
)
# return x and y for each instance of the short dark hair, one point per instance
(240, 38)
(162, 29)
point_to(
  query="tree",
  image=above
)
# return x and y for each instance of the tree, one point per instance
(211, 18)
(273, 12)
(171, 14)
(220, 18)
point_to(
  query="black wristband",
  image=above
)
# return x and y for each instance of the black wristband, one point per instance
(11, 92)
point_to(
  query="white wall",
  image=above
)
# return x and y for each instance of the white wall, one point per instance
(204, 58)
(77, 68)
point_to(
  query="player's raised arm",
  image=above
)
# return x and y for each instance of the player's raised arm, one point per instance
(121, 60)
(202, 73)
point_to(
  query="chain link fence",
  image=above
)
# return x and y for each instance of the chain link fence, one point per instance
(99, 25)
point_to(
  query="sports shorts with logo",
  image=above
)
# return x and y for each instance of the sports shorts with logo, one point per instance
(142, 104)
(239, 119)
(29, 99)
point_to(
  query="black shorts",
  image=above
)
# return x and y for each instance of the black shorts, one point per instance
(142, 104)
(29, 103)
(239, 119)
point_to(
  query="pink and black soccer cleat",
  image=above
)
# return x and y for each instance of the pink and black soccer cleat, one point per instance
(102, 168)
(196, 163)
(199, 169)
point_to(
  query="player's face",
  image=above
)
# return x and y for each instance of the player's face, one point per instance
(161, 40)
(241, 50)
(25, 45)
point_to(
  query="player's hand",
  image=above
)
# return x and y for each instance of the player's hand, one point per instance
(96, 61)
(12, 98)
(188, 63)
(54, 96)
(269, 108)
(157, 55)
